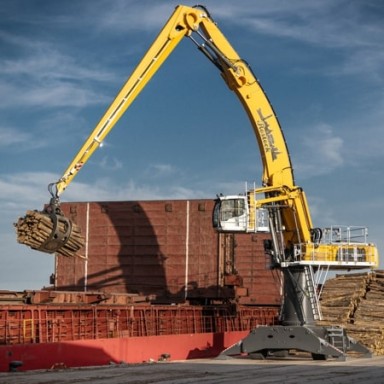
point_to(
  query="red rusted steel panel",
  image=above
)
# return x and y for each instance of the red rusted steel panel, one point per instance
(168, 252)
(25, 324)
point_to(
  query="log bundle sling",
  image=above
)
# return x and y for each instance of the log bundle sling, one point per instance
(49, 233)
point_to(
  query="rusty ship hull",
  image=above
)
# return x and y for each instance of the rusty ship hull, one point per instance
(154, 281)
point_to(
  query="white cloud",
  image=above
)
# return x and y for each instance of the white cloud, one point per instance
(323, 214)
(9, 136)
(49, 94)
(321, 153)
(50, 64)
(110, 164)
(24, 189)
(354, 29)
(28, 190)
(42, 76)
(161, 170)
(125, 16)
(367, 61)
(101, 190)
(325, 23)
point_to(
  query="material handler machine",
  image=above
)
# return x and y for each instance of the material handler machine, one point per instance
(297, 248)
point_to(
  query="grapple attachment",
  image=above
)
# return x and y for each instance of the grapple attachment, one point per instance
(49, 230)
(61, 233)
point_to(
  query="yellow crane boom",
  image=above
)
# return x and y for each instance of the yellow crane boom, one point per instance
(294, 237)
(197, 24)
(190, 22)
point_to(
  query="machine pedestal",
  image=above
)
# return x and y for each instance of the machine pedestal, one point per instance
(320, 342)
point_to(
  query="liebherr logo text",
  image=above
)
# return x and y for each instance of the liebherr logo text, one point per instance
(266, 135)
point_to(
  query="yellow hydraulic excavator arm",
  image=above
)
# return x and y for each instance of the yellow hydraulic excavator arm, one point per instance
(197, 24)
(289, 217)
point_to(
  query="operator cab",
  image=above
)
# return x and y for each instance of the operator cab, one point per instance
(233, 214)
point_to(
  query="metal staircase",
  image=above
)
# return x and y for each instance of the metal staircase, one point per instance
(312, 292)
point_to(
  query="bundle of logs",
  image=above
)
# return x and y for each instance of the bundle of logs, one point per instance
(38, 231)
(356, 302)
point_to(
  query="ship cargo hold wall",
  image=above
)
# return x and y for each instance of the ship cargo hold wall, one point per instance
(165, 252)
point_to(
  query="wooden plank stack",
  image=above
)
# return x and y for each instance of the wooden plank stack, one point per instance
(340, 297)
(35, 230)
(356, 302)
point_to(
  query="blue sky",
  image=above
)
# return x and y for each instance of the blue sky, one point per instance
(186, 136)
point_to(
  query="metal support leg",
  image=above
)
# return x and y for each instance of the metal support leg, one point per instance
(320, 342)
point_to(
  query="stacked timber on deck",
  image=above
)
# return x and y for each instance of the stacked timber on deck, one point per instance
(356, 302)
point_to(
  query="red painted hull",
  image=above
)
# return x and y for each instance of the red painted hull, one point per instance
(80, 353)
(157, 279)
